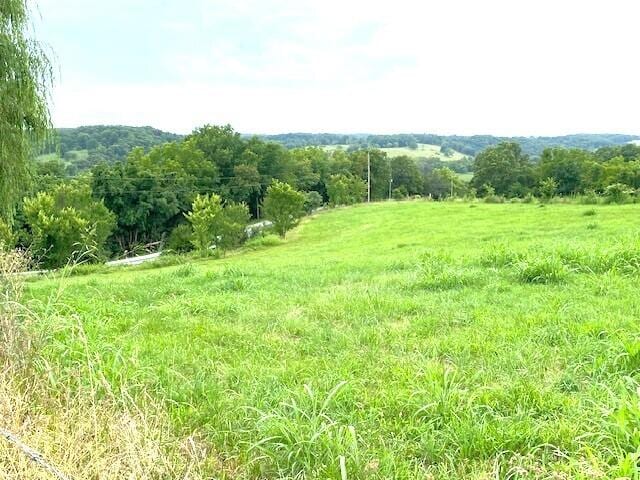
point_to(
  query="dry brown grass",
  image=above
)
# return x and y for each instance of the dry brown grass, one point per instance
(86, 432)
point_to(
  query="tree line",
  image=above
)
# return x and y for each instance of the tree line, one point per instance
(505, 170)
(84, 147)
(468, 145)
(199, 193)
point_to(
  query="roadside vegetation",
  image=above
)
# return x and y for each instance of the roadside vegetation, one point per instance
(413, 339)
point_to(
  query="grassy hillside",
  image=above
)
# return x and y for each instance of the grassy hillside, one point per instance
(424, 150)
(414, 339)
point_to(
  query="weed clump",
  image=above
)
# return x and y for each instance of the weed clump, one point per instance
(542, 270)
(439, 272)
(500, 255)
(303, 436)
(184, 271)
(264, 241)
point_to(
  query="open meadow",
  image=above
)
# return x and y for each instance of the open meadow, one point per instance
(424, 150)
(395, 340)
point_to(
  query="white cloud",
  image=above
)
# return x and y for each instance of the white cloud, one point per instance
(457, 66)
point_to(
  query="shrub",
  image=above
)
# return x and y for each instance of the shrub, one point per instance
(438, 272)
(500, 255)
(590, 197)
(284, 206)
(548, 188)
(205, 215)
(589, 213)
(67, 224)
(400, 193)
(215, 225)
(618, 193)
(180, 239)
(312, 201)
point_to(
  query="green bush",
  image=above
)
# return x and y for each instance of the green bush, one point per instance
(180, 239)
(590, 197)
(400, 193)
(68, 225)
(618, 193)
(284, 206)
(215, 225)
(312, 201)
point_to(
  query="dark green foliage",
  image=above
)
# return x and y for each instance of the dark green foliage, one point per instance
(150, 192)
(312, 201)
(567, 168)
(400, 193)
(406, 174)
(505, 168)
(104, 143)
(180, 239)
(442, 183)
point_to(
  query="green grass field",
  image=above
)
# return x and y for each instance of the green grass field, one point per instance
(414, 339)
(424, 150)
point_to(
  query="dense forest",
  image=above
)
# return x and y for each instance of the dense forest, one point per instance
(468, 145)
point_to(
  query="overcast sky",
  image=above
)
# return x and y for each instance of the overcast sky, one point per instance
(525, 67)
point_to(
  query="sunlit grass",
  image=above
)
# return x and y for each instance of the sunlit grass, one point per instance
(414, 339)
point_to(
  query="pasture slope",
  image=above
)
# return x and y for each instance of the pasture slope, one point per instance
(423, 151)
(409, 340)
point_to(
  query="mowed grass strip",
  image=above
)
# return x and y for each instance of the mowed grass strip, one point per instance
(414, 339)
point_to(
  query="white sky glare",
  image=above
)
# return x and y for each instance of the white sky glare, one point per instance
(272, 66)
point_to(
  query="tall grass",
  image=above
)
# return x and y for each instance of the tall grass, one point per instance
(75, 418)
(475, 361)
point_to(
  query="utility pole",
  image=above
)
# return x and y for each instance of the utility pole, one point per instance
(390, 178)
(368, 176)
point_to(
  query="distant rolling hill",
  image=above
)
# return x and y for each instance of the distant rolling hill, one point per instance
(83, 147)
(419, 151)
(465, 145)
